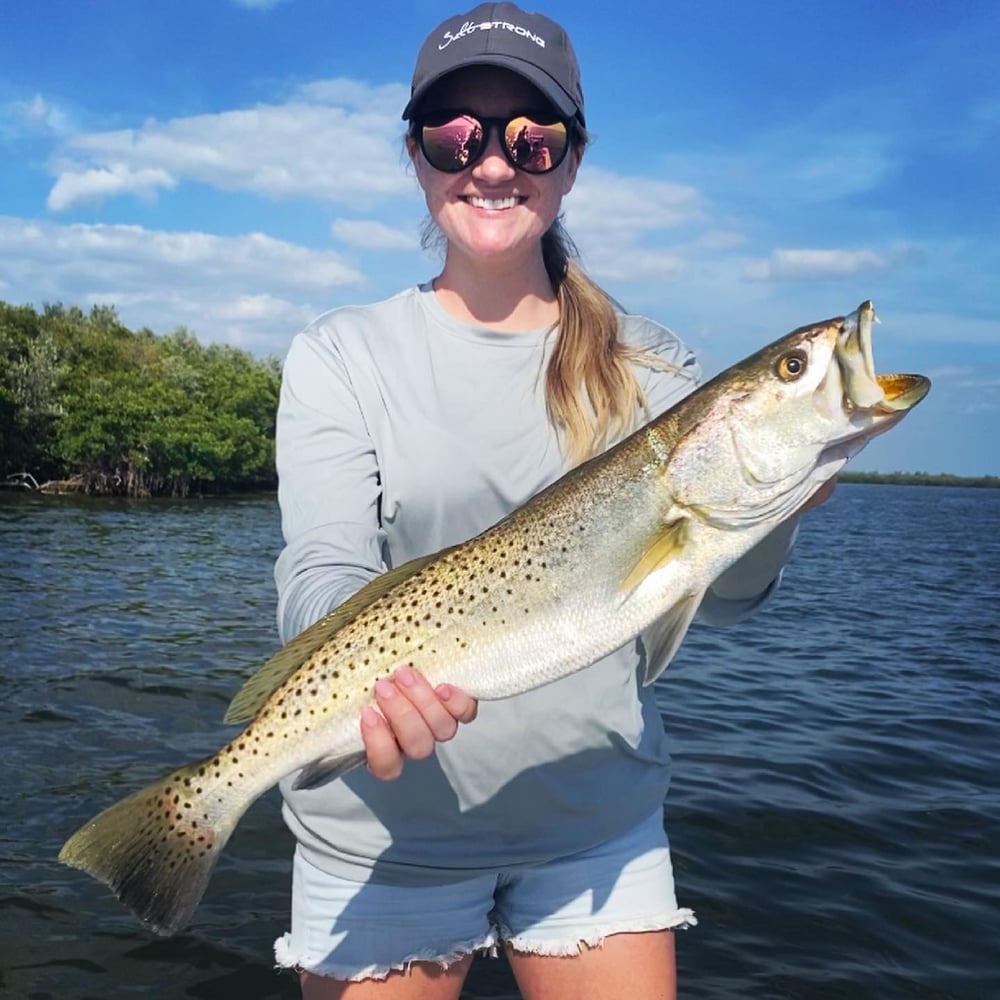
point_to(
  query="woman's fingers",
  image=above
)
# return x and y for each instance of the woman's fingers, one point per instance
(414, 717)
(383, 756)
(413, 732)
(462, 707)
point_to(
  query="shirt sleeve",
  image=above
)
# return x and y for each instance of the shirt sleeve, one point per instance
(750, 582)
(328, 486)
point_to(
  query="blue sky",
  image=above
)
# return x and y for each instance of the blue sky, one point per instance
(236, 168)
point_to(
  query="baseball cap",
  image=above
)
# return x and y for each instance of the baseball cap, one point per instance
(501, 34)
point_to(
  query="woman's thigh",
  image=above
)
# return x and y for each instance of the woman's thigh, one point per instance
(421, 981)
(638, 966)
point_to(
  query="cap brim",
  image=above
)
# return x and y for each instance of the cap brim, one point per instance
(562, 102)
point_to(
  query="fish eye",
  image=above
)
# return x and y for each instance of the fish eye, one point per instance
(791, 366)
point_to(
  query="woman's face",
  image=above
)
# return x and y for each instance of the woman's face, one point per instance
(491, 209)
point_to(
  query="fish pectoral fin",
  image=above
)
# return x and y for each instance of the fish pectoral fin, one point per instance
(325, 769)
(251, 697)
(666, 546)
(663, 638)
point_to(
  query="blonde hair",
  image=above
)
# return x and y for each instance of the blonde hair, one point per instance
(591, 393)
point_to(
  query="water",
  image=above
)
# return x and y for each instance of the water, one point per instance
(835, 813)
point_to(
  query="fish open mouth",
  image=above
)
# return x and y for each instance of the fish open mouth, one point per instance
(863, 387)
(902, 392)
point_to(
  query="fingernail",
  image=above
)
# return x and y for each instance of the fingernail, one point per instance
(405, 676)
(444, 691)
(384, 688)
(370, 719)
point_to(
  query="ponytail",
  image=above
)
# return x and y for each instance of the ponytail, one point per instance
(591, 393)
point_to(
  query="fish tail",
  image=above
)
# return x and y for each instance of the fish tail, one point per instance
(156, 849)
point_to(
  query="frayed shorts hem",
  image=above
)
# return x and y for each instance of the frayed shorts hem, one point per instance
(352, 931)
(286, 958)
(529, 944)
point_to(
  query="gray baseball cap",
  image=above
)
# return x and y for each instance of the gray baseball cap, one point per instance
(501, 34)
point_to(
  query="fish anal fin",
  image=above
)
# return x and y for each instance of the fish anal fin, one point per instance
(257, 689)
(663, 638)
(667, 545)
(325, 769)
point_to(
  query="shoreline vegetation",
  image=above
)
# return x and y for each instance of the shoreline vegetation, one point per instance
(919, 479)
(90, 406)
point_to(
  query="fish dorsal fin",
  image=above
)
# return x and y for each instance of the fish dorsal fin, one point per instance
(667, 545)
(251, 697)
(663, 638)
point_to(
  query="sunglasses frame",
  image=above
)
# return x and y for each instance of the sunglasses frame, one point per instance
(488, 125)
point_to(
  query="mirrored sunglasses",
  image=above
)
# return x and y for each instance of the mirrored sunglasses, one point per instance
(455, 140)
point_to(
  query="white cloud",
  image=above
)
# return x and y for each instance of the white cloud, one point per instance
(93, 186)
(370, 234)
(387, 99)
(610, 264)
(614, 205)
(36, 116)
(619, 223)
(814, 265)
(335, 140)
(251, 290)
(250, 257)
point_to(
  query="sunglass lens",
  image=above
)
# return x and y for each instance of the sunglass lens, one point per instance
(535, 147)
(453, 144)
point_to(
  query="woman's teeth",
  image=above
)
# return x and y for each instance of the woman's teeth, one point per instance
(493, 204)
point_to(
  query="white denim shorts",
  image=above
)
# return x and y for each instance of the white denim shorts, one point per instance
(360, 930)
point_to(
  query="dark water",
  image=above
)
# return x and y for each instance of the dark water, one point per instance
(835, 813)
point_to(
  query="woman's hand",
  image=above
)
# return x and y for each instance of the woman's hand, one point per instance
(414, 718)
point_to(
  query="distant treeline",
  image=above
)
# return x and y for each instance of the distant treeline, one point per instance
(918, 479)
(87, 401)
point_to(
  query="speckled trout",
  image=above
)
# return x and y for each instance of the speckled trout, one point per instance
(625, 544)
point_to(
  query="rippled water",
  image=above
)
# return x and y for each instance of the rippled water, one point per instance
(835, 814)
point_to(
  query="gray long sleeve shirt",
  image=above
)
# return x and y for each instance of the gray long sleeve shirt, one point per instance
(402, 430)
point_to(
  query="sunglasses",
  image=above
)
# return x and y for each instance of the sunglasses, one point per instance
(452, 141)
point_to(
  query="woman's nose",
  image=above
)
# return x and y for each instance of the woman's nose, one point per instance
(493, 165)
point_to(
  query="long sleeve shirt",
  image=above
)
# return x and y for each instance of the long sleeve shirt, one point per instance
(402, 430)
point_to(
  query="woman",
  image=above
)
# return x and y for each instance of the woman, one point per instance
(409, 425)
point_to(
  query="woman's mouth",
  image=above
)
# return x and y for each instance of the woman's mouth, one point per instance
(492, 204)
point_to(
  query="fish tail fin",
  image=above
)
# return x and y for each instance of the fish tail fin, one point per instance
(156, 849)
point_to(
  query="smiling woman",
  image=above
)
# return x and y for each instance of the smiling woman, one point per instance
(411, 424)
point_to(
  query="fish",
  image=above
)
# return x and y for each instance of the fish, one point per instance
(623, 545)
